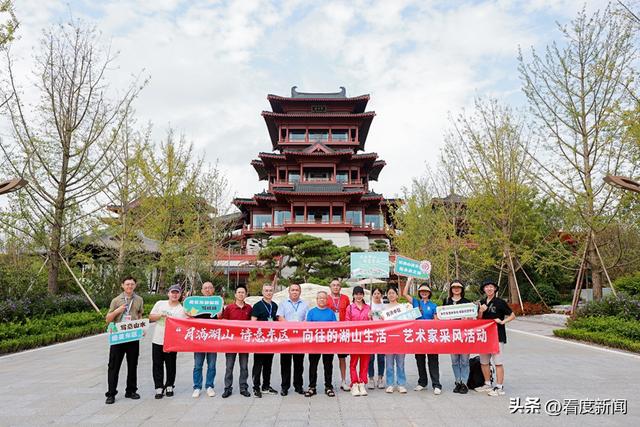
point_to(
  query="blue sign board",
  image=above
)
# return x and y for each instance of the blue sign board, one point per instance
(126, 336)
(368, 265)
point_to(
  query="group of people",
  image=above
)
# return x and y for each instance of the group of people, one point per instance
(332, 306)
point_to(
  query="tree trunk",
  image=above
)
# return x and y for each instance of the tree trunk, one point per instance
(123, 240)
(514, 295)
(161, 279)
(56, 237)
(596, 268)
(457, 260)
(54, 264)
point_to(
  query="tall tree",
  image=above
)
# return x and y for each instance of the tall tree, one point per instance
(429, 227)
(184, 202)
(578, 91)
(487, 149)
(65, 142)
(125, 185)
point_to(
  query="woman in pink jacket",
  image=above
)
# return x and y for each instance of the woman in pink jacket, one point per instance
(358, 311)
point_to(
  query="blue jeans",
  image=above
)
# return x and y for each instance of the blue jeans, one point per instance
(372, 371)
(198, 362)
(395, 361)
(460, 364)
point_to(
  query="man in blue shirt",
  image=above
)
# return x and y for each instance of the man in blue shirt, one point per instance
(321, 313)
(427, 312)
(293, 309)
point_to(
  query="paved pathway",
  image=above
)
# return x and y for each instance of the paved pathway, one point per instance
(64, 384)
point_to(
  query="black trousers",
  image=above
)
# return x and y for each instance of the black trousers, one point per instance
(262, 363)
(160, 359)
(434, 370)
(116, 356)
(327, 364)
(285, 370)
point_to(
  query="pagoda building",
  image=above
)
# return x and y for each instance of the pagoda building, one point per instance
(317, 175)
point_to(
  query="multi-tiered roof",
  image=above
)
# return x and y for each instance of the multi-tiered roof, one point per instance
(318, 177)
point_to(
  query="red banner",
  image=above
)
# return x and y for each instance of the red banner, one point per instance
(380, 337)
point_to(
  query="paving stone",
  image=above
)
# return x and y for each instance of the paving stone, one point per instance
(69, 389)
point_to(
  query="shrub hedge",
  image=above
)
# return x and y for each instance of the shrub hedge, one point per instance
(610, 331)
(602, 338)
(621, 307)
(19, 310)
(628, 284)
(530, 308)
(40, 332)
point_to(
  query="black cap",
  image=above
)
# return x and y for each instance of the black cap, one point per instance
(488, 282)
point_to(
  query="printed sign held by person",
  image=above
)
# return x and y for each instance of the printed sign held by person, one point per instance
(411, 268)
(458, 311)
(127, 331)
(197, 305)
(399, 312)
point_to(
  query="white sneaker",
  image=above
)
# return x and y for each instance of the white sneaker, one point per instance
(381, 382)
(483, 389)
(371, 384)
(497, 391)
(211, 392)
(389, 389)
(196, 393)
(355, 389)
(345, 386)
(437, 391)
(402, 390)
(363, 390)
(418, 388)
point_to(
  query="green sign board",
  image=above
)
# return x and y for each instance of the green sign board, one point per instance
(412, 268)
(366, 265)
(195, 305)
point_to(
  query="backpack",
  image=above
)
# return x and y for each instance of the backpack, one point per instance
(476, 379)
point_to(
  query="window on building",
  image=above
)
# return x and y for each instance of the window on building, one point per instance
(337, 213)
(261, 220)
(297, 135)
(340, 135)
(294, 176)
(354, 217)
(342, 177)
(281, 216)
(283, 134)
(318, 174)
(318, 135)
(282, 175)
(374, 220)
(298, 212)
(353, 134)
(354, 175)
(318, 214)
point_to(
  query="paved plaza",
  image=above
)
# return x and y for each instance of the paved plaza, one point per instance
(64, 384)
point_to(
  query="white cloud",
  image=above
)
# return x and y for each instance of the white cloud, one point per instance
(213, 63)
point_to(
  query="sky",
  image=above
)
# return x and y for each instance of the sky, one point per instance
(212, 63)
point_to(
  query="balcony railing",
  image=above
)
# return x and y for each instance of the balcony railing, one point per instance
(306, 223)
